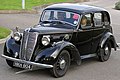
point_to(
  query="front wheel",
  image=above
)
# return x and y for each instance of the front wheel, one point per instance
(62, 64)
(10, 63)
(104, 53)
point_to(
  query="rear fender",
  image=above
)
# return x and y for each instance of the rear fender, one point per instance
(108, 37)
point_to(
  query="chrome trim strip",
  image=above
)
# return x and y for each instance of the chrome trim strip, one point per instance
(36, 34)
(88, 56)
(25, 44)
(28, 62)
(20, 53)
(20, 56)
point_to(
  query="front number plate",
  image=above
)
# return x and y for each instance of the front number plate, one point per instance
(22, 65)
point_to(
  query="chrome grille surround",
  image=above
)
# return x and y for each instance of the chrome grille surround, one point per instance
(28, 44)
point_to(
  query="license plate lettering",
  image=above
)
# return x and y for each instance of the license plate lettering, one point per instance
(22, 65)
(26, 66)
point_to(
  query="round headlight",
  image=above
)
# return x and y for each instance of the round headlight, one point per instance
(17, 36)
(46, 40)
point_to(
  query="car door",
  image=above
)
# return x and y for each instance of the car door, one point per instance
(99, 30)
(84, 35)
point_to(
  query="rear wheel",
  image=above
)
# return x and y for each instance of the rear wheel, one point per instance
(62, 64)
(104, 53)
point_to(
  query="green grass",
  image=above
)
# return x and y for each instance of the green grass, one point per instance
(4, 32)
(16, 4)
(117, 5)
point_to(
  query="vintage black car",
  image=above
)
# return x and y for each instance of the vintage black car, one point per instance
(66, 32)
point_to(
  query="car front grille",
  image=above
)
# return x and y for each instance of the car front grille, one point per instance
(29, 41)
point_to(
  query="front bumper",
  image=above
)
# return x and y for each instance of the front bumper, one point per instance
(27, 62)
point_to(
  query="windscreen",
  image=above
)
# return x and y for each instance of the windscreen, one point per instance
(69, 17)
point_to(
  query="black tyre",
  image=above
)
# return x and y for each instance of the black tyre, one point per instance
(104, 53)
(10, 63)
(62, 64)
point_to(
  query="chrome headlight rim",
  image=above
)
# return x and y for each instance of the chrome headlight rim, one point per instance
(17, 36)
(46, 40)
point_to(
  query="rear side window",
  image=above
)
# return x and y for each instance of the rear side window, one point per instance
(98, 19)
(106, 19)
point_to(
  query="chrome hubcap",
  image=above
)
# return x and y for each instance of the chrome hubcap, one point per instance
(62, 64)
(106, 50)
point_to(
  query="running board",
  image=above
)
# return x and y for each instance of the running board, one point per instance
(88, 56)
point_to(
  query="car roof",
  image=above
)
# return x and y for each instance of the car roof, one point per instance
(74, 8)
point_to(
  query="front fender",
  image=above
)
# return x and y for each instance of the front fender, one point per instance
(53, 52)
(108, 37)
(11, 47)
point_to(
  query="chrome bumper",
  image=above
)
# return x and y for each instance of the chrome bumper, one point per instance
(28, 62)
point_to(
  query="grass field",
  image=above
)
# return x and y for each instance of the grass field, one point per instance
(16, 4)
(117, 5)
(4, 32)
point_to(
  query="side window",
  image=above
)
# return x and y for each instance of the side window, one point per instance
(106, 19)
(98, 19)
(86, 21)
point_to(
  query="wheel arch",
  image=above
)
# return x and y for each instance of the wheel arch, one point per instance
(108, 37)
(73, 51)
(74, 54)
